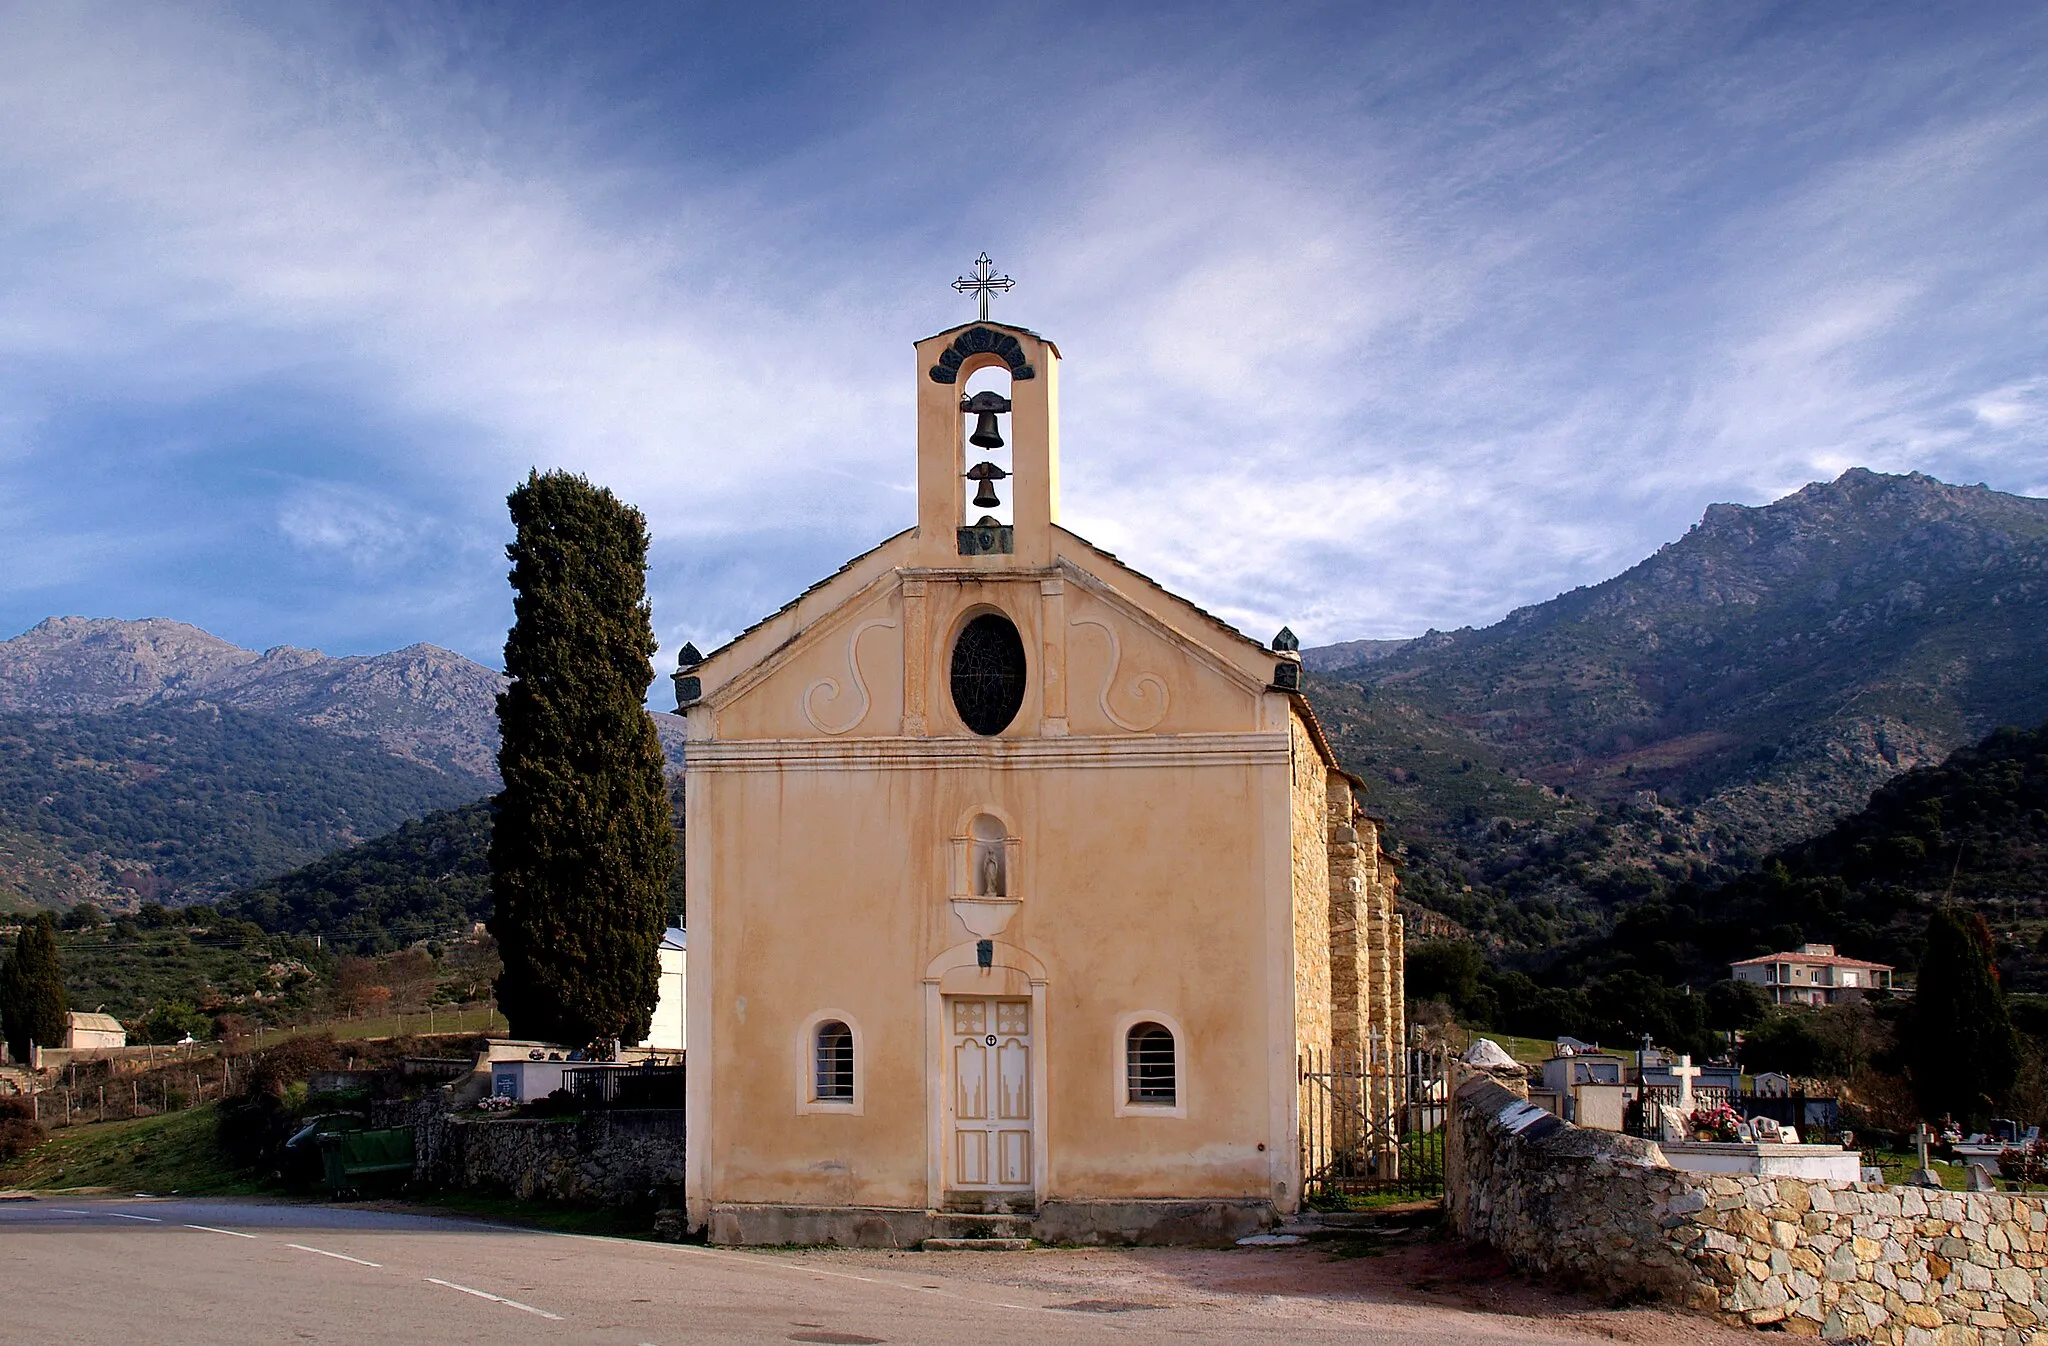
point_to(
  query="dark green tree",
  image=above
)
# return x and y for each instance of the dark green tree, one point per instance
(583, 845)
(1733, 1006)
(33, 1009)
(1444, 969)
(1960, 1047)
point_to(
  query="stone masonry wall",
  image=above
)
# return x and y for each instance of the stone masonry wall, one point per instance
(1310, 846)
(1351, 983)
(1837, 1260)
(612, 1158)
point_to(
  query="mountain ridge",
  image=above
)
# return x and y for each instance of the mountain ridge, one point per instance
(1742, 688)
(424, 703)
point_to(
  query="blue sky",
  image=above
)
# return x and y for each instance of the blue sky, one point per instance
(1376, 317)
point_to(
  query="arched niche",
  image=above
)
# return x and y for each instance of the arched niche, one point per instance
(986, 841)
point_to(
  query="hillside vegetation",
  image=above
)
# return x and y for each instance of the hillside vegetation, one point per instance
(428, 878)
(1973, 829)
(186, 802)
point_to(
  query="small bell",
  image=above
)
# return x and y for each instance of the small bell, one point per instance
(987, 474)
(986, 407)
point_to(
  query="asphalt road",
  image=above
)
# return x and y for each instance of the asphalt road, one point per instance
(166, 1272)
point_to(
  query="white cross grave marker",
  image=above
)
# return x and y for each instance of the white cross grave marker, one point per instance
(1686, 1072)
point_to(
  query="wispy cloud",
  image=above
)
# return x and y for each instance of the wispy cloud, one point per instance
(1373, 322)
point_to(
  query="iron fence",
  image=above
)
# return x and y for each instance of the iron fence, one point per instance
(1376, 1127)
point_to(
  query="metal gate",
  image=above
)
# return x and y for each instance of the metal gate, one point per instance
(1374, 1128)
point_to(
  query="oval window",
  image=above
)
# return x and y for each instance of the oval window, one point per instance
(988, 673)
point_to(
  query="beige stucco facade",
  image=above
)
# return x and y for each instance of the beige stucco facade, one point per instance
(1152, 839)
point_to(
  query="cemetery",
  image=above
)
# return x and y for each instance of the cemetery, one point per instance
(1755, 1231)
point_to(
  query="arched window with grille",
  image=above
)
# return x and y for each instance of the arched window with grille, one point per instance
(832, 1062)
(1151, 1072)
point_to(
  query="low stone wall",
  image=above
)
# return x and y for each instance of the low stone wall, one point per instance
(1841, 1260)
(618, 1157)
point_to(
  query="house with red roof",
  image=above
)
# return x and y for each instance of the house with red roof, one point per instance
(1814, 975)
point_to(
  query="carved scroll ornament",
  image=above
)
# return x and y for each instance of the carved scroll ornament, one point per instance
(1145, 688)
(830, 686)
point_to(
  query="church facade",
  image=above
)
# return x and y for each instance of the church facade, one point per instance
(1019, 886)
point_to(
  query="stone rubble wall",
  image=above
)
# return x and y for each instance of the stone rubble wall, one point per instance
(1900, 1266)
(618, 1157)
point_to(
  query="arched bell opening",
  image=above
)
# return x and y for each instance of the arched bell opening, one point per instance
(986, 441)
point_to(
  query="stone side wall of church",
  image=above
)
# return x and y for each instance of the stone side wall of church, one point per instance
(1351, 969)
(1310, 842)
(1899, 1266)
(1386, 1011)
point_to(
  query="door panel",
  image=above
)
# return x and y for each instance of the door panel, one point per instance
(990, 1112)
(970, 1081)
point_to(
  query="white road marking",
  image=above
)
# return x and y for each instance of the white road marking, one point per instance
(495, 1299)
(340, 1257)
(231, 1233)
(759, 1260)
(124, 1215)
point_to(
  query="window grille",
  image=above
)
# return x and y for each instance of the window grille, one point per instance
(1149, 1054)
(833, 1077)
(988, 673)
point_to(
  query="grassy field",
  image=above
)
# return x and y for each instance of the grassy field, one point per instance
(1898, 1165)
(174, 1152)
(1529, 1051)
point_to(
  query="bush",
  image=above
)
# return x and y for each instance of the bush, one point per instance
(19, 1132)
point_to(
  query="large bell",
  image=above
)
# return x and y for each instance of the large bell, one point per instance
(986, 407)
(987, 475)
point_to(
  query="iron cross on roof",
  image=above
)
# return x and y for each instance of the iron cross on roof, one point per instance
(981, 284)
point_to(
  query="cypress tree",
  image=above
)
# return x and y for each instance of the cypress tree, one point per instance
(32, 1003)
(583, 844)
(1961, 1049)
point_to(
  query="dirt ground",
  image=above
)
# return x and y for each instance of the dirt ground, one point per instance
(1401, 1281)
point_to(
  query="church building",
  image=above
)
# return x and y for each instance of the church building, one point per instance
(1019, 886)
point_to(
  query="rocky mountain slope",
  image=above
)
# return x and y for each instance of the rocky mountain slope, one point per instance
(1741, 689)
(359, 743)
(422, 702)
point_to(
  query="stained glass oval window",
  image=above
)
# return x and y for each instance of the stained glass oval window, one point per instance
(988, 673)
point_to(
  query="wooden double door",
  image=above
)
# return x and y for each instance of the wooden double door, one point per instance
(989, 1123)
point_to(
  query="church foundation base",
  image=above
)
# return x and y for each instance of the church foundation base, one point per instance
(1151, 1222)
(1155, 1222)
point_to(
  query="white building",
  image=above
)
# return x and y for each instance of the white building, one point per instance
(94, 1032)
(1813, 975)
(666, 1033)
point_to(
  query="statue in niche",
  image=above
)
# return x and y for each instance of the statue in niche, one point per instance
(991, 873)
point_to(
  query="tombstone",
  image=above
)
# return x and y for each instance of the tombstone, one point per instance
(1923, 1176)
(1980, 1178)
(1765, 1130)
(1671, 1123)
